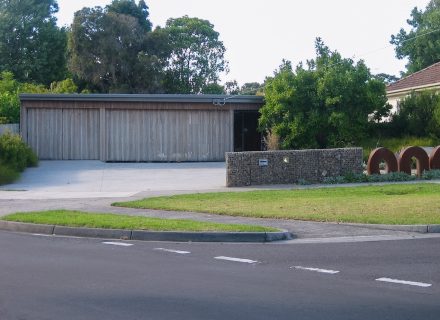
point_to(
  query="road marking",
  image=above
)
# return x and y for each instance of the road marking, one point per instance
(315, 269)
(410, 283)
(235, 259)
(42, 235)
(173, 251)
(121, 244)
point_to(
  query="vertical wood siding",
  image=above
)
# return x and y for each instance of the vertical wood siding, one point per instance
(64, 134)
(80, 134)
(45, 133)
(168, 135)
(60, 130)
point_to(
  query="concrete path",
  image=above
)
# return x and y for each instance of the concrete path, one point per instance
(96, 179)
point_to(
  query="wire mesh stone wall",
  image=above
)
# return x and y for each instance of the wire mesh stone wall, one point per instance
(290, 166)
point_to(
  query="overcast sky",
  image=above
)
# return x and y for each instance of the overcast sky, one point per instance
(258, 34)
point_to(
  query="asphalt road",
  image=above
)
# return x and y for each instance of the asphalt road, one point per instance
(71, 278)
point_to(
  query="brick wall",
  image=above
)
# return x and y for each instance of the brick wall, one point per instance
(290, 166)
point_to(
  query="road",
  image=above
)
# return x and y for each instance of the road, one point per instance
(77, 278)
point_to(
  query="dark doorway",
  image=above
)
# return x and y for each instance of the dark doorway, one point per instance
(246, 135)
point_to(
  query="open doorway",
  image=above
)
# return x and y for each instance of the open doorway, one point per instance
(246, 135)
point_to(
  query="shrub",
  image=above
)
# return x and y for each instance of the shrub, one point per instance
(431, 175)
(396, 144)
(7, 175)
(389, 177)
(15, 154)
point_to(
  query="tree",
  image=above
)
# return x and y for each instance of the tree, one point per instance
(65, 86)
(9, 102)
(10, 89)
(232, 88)
(326, 104)
(130, 8)
(113, 50)
(251, 88)
(421, 45)
(197, 55)
(418, 115)
(387, 78)
(213, 88)
(32, 47)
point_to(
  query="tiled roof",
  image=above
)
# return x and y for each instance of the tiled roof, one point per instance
(424, 77)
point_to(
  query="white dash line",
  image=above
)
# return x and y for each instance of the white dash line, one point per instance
(173, 251)
(121, 244)
(42, 235)
(410, 283)
(235, 259)
(315, 269)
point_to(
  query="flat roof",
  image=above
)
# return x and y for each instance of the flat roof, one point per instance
(216, 99)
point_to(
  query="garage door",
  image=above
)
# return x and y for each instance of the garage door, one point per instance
(168, 135)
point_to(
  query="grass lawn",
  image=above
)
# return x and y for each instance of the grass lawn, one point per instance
(389, 204)
(114, 221)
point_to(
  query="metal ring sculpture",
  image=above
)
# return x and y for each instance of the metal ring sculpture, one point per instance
(377, 156)
(434, 159)
(413, 152)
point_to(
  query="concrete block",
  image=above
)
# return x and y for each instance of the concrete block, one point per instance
(434, 228)
(199, 236)
(26, 227)
(278, 236)
(93, 233)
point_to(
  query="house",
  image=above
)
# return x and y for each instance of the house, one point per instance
(425, 79)
(137, 128)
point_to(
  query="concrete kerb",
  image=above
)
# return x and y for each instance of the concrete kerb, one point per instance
(420, 228)
(146, 235)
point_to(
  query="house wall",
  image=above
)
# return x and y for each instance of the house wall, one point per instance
(129, 131)
(394, 97)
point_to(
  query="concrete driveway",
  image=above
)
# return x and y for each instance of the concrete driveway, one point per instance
(94, 179)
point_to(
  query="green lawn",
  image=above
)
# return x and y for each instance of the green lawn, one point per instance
(113, 221)
(390, 204)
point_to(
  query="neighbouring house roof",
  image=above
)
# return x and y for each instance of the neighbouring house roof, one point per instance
(424, 78)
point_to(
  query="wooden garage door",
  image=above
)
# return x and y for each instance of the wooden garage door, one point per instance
(64, 134)
(168, 135)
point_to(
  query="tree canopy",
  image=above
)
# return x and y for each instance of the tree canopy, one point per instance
(197, 55)
(130, 8)
(418, 115)
(113, 50)
(328, 103)
(421, 45)
(32, 47)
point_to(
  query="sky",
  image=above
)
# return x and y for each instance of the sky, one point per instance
(258, 34)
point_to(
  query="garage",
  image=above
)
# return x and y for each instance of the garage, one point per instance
(139, 128)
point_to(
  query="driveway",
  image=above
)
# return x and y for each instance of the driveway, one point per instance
(95, 179)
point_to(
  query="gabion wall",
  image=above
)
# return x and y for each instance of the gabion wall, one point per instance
(290, 166)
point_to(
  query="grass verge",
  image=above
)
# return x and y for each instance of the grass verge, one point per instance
(390, 204)
(114, 221)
